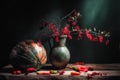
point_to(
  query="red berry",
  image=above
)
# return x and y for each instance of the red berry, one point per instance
(18, 72)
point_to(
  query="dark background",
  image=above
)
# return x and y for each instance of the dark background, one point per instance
(20, 21)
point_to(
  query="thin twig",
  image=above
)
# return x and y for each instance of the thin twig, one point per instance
(68, 14)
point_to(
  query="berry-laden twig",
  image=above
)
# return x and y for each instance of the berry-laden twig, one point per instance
(72, 27)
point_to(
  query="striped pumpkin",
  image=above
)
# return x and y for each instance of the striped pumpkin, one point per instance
(28, 54)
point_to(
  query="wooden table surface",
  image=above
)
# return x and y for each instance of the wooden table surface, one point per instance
(109, 71)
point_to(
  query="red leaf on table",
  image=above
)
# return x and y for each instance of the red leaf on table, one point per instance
(61, 72)
(75, 73)
(83, 68)
(43, 73)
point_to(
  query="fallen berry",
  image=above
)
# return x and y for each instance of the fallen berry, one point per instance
(17, 72)
(61, 72)
(29, 70)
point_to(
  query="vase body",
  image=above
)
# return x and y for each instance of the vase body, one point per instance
(60, 55)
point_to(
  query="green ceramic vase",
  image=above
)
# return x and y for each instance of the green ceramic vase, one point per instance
(60, 55)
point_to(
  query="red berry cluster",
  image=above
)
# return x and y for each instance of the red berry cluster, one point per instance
(72, 21)
(55, 33)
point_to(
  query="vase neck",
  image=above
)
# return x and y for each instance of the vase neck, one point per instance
(62, 40)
